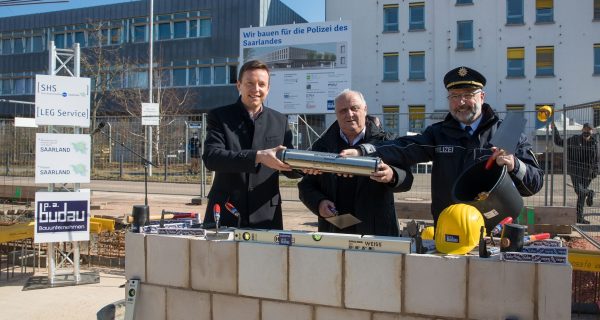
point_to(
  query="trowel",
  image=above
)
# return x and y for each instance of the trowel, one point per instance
(508, 134)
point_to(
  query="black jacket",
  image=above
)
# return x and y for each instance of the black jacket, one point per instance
(232, 141)
(452, 150)
(374, 201)
(582, 155)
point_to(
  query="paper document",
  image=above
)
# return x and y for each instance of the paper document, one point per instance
(343, 221)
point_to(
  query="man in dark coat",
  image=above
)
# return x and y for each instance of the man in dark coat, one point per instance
(582, 165)
(370, 199)
(240, 147)
(459, 141)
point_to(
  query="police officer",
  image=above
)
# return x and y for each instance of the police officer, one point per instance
(458, 141)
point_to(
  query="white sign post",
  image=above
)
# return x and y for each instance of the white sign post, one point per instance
(62, 158)
(62, 216)
(62, 101)
(150, 114)
(309, 62)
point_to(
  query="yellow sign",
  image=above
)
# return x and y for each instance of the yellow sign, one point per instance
(584, 260)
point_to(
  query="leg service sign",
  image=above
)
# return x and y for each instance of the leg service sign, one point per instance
(62, 216)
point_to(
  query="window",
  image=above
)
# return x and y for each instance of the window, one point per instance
(80, 38)
(38, 44)
(6, 46)
(416, 118)
(390, 66)
(514, 12)
(515, 62)
(596, 115)
(104, 39)
(597, 58)
(220, 75)
(18, 45)
(204, 76)
(390, 18)
(137, 79)
(19, 86)
(179, 29)
(391, 118)
(27, 44)
(179, 77)
(416, 16)
(544, 11)
(233, 74)
(59, 40)
(139, 33)
(515, 107)
(416, 65)
(465, 35)
(193, 28)
(596, 9)
(115, 36)
(193, 77)
(462, 2)
(544, 64)
(164, 31)
(205, 28)
(6, 88)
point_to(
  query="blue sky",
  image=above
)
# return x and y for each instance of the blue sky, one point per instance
(311, 10)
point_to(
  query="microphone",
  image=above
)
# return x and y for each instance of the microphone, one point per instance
(232, 209)
(217, 215)
(100, 126)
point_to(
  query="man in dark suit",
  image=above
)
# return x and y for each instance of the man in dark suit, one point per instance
(369, 198)
(240, 147)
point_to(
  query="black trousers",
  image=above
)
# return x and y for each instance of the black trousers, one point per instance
(581, 184)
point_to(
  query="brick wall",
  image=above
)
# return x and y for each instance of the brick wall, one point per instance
(184, 278)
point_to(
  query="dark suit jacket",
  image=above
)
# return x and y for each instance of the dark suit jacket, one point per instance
(373, 202)
(230, 148)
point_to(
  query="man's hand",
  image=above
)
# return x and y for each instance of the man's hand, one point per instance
(268, 157)
(350, 153)
(502, 158)
(327, 209)
(384, 173)
(313, 172)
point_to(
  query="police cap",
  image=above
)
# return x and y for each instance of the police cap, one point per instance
(463, 77)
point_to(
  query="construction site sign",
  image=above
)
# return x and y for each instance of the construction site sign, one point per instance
(62, 158)
(62, 216)
(62, 101)
(310, 63)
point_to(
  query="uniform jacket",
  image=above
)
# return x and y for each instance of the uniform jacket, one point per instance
(374, 201)
(452, 150)
(582, 155)
(230, 148)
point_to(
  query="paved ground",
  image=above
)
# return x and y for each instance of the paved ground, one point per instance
(73, 303)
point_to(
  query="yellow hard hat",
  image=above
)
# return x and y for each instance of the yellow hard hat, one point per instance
(544, 113)
(427, 233)
(458, 228)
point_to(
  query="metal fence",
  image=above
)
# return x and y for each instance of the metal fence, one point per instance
(170, 151)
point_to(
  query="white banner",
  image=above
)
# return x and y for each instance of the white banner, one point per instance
(62, 101)
(150, 114)
(62, 158)
(309, 62)
(62, 216)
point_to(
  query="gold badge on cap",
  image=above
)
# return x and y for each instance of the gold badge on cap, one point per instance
(462, 71)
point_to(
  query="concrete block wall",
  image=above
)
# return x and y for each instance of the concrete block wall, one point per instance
(186, 277)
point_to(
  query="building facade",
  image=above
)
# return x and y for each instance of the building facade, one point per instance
(196, 47)
(532, 52)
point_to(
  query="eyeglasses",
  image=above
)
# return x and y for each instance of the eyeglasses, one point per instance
(465, 96)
